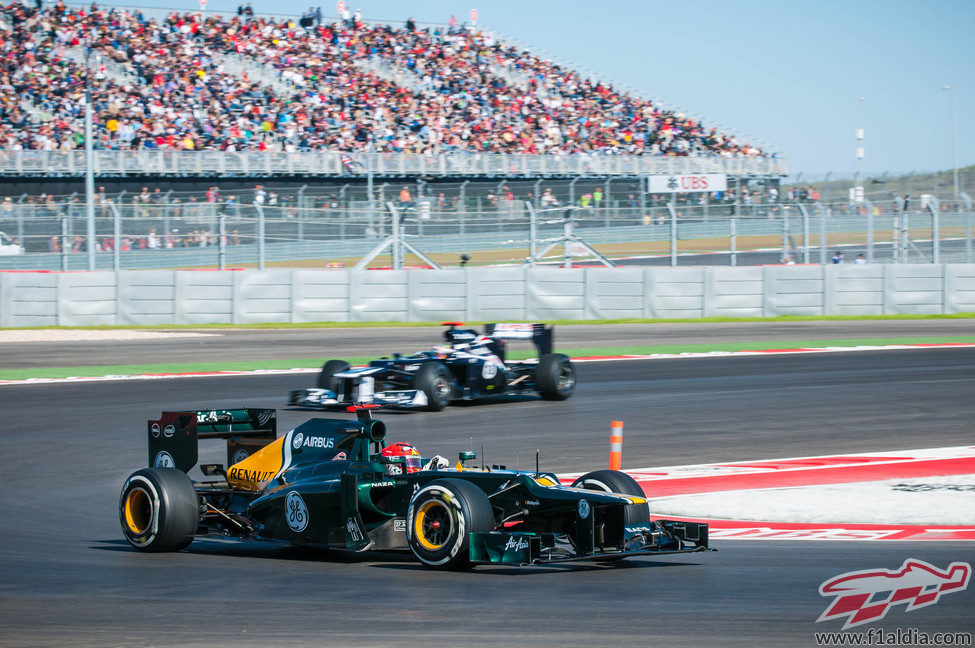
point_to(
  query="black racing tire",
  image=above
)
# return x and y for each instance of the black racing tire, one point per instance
(436, 381)
(159, 510)
(440, 519)
(555, 376)
(614, 481)
(326, 379)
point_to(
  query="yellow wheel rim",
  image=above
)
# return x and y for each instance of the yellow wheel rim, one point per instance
(432, 525)
(138, 510)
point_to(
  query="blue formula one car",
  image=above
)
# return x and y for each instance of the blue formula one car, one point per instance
(469, 366)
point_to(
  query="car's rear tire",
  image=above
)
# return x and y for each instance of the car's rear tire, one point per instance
(159, 509)
(326, 379)
(555, 376)
(614, 481)
(440, 519)
(435, 381)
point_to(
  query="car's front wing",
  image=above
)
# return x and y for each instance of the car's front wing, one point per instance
(660, 537)
(317, 398)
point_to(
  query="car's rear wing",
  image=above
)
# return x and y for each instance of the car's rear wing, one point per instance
(542, 336)
(174, 436)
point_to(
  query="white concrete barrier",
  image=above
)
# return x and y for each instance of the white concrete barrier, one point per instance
(134, 297)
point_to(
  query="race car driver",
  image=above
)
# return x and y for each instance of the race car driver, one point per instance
(402, 457)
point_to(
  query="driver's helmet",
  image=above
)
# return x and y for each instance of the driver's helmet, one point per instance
(409, 461)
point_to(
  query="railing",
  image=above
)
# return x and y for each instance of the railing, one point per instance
(166, 162)
(188, 234)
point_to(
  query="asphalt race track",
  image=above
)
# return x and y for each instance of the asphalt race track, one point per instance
(291, 343)
(70, 580)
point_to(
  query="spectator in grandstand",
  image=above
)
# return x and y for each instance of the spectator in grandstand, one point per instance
(7, 210)
(860, 260)
(189, 101)
(837, 257)
(548, 199)
(405, 199)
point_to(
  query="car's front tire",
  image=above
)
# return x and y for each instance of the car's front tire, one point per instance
(555, 376)
(159, 509)
(615, 481)
(436, 382)
(326, 379)
(440, 519)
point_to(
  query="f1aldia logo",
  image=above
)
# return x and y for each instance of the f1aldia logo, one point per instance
(866, 596)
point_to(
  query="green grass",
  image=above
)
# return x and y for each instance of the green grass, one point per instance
(243, 365)
(694, 320)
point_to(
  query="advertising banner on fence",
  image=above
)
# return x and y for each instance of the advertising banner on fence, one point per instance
(688, 182)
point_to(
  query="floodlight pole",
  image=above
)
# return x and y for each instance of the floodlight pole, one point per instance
(89, 164)
(954, 139)
(858, 152)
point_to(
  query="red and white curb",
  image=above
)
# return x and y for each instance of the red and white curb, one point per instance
(607, 358)
(811, 471)
(765, 352)
(804, 471)
(746, 530)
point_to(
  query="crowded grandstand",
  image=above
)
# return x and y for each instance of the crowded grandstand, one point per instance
(191, 81)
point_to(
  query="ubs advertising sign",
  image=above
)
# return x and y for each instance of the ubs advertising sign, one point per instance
(687, 183)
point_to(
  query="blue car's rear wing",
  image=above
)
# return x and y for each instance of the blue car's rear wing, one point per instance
(542, 336)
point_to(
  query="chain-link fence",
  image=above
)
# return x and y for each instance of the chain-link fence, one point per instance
(490, 225)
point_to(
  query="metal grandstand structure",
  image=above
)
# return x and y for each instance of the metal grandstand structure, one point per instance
(206, 163)
(323, 164)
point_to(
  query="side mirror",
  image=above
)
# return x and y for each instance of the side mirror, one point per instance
(467, 456)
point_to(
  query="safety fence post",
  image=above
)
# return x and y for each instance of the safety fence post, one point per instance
(116, 238)
(531, 232)
(968, 236)
(65, 243)
(260, 237)
(222, 242)
(673, 234)
(805, 233)
(733, 241)
(822, 234)
(870, 235)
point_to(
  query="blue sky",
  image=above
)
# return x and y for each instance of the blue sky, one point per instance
(785, 72)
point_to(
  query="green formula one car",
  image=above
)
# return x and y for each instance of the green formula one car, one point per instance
(330, 483)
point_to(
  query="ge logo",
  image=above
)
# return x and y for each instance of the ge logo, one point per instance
(296, 511)
(672, 183)
(240, 455)
(489, 371)
(296, 442)
(583, 509)
(164, 460)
